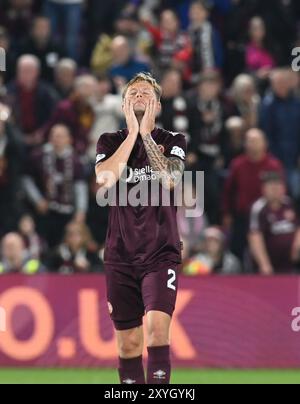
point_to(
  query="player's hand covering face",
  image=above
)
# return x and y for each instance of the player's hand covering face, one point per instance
(148, 120)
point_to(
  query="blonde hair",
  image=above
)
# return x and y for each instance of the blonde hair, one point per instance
(144, 77)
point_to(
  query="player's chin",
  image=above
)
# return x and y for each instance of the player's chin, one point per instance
(139, 110)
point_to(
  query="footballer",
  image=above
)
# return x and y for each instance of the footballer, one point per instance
(143, 249)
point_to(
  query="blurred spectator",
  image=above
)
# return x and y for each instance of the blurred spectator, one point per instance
(246, 99)
(31, 100)
(206, 43)
(66, 18)
(174, 113)
(124, 63)
(10, 55)
(56, 185)
(35, 245)
(214, 258)
(76, 112)
(15, 258)
(64, 77)
(127, 24)
(280, 119)
(233, 145)
(243, 187)
(191, 228)
(75, 255)
(168, 39)
(259, 58)
(16, 16)
(108, 114)
(11, 165)
(274, 229)
(101, 17)
(207, 112)
(40, 43)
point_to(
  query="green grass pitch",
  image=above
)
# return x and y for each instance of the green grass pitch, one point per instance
(106, 376)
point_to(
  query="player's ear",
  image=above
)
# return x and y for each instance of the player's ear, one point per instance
(158, 107)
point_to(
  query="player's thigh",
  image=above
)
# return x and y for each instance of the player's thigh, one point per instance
(124, 297)
(159, 288)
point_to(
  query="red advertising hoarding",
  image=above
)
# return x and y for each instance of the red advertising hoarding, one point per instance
(238, 322)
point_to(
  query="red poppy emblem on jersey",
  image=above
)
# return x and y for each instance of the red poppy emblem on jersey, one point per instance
(161, 148)
(290, 215)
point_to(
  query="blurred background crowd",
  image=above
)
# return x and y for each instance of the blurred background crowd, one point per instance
(225, 69)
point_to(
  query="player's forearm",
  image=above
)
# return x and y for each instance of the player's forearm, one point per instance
(169, 170)
(260, 254)
(108, 173)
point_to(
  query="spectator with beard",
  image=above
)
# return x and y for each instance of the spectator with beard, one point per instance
(64, 77)
(76, 254)
(76, 112)
(15, 258)
(274, 236)
(11, 164)
(32, 101)
(40, 43)
(55, 184)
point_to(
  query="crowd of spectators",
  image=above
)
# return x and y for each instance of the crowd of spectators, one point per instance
(228, 86)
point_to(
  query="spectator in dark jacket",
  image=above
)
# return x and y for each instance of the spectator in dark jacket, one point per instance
(280, 119)
(32, 100)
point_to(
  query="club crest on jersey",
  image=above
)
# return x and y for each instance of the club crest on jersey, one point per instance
(178, 151)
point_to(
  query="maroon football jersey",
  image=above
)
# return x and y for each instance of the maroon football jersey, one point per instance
(143, 234)
(279, 228)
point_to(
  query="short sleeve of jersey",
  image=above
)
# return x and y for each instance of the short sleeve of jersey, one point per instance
(176, 147)
(106, 147)
(256, 218)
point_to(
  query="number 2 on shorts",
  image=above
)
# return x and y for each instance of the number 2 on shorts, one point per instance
(172, 279)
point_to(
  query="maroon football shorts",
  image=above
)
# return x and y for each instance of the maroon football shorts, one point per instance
(133, 290)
